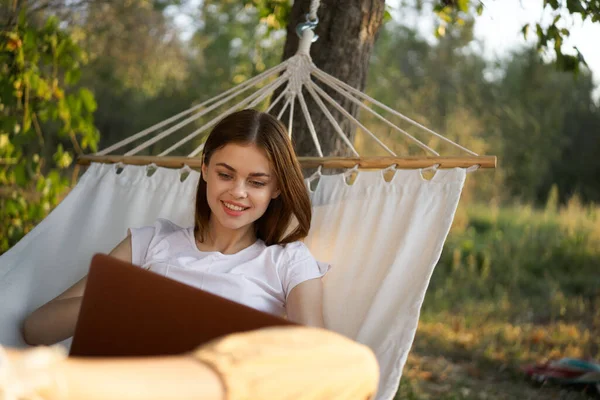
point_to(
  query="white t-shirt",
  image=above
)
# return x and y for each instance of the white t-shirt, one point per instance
(258, 276)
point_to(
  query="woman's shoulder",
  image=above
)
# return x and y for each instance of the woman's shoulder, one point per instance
(297, 265)
(161, 229)
(151, 240)
(166, 227)
(290, 253)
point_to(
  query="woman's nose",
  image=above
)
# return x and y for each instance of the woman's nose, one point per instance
(238, 190)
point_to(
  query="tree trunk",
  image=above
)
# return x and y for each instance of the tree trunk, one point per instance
(347, 31)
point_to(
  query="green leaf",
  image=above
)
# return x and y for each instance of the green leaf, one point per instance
(463, 5)
(72, 76)
(62, 158)
(567, 62)
(479, 8)
(556, 19)
(22, 21)
(87, 99)
(575, 6)
(557, 43)
(580, 57)
(525, 31)
(29, 40)
(539, 31)
(542, 38)
(27, 120)
(20, 175)
(387, 16)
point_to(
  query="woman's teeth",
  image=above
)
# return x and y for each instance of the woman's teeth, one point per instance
(234, 208)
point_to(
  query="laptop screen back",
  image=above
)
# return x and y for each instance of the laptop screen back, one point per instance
(128, 311)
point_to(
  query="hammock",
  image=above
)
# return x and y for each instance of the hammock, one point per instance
(382, 238)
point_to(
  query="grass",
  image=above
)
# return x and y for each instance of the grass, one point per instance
(514, 286)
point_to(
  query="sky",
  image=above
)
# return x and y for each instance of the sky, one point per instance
(499, 30)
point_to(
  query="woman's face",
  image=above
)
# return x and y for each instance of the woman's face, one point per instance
(240, 184)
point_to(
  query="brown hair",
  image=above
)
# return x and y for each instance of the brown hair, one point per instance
(267, 133)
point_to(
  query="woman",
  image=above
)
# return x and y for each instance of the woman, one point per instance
(241, 246)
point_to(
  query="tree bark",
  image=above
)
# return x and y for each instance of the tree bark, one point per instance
(347, 31)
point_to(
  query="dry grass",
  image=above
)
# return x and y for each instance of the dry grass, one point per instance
(514, 286)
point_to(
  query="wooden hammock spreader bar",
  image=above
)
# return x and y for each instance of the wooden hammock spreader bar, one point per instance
(311, 162)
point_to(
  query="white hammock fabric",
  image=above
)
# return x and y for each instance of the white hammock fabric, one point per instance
(383, 240)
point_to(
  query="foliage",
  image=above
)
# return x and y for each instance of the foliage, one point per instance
(548, 37)
(549, 127)
(275, 13)
(136, 65)
(42, 123)
(541, 123)
(514, 286)
(251, 45)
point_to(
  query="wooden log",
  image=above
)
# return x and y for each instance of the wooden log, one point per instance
(268, 364)
(312, 162)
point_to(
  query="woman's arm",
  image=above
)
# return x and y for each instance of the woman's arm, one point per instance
(319, 365)
(45, 375)
(305, 303)
(55, 321)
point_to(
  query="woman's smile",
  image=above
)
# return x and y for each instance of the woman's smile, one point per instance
(233, 209)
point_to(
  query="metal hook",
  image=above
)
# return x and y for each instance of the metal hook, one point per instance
(309, 24)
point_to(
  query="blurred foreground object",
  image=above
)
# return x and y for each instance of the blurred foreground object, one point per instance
(272, 363)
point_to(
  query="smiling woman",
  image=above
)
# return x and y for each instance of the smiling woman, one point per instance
(246, 156)
(237, 194)
(238, 248)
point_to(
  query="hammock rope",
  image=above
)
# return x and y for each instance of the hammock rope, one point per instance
(236, 90)
(360, 94)
(309, 122)
(291, 116)
(298, 73)
(331, 119)
(363, 106)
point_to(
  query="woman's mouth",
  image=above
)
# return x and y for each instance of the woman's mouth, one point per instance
(233, 209)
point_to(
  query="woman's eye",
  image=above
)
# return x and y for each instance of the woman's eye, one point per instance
(257, 183)
(224, 176)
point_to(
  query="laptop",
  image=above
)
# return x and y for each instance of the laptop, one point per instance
(127, 311)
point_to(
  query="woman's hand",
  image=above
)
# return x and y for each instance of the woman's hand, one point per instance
(305, 303)
(55, 321)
